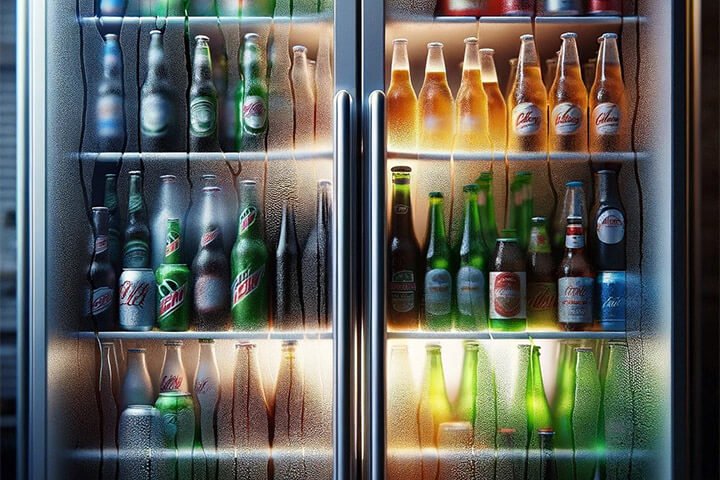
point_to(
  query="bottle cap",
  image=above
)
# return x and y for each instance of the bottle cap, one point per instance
(574, 183)
(401, 169)
(487, 51)
(574, 219)
(435, 195)
(202, 38)
(567, 35)
(155, 32)
(248, 345)
(173, 343)
(252, 37)
(472, 187)
(168, 178)
(400, 40)
(299, 49)
(435, 45)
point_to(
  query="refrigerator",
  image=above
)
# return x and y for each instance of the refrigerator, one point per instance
(349, 372)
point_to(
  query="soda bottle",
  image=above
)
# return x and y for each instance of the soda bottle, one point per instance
(573, 206)
(252, 97)
(608, 251)
(289, 305)
(324, 83)
(486, 205)
(541, 283)
(550, 72)
(436, 109)
(471, 256)
(203, 100)
(287, 438)
(316, 262)
(507, 287)
(211, 273)
(617, 426)
(467, 395)
(215, 206)
(280, 96)
(585, 414)
(575, 280)
(527, 103)
(609, 116)
(518, 7)
(548, 467)
(249, 264)
(605, 7)
(304, 99)
(158, 117)
(512, 72)
(172, 374)
(539, 416)
(110, 201)
(112, 8)
(137, 387)
(434, 408)
(206, 390)
(102, 276)
(497, 111)
(172, 278)
(402, 404)
(258, 8)
(472, 134)
(438, 280)
(405, 257)
(568, 101)
(110, 109)
(169, 204)
(402, 103)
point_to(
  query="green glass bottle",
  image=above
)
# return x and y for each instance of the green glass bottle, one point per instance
(434, 400)
(470, 281)
(617, 425)
(521, 207)
(438, 280)
(465, 403)
(539, 416)
(173, 278)
(585, 414)
(563, 405)
(486, 203)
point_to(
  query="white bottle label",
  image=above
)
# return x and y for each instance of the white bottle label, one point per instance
(575, 299)
(507, 295)
(203, 116)
(566, 118)
(611, 226)
(254, 112)
(471, 291)
(438, 291)
(575, 241)
(606, 119)
(526, 118)
(154, 115)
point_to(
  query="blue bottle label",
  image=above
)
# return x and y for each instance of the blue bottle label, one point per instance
(611, 297)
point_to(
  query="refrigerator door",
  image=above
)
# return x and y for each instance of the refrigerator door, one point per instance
(614, 397)
(270, 399)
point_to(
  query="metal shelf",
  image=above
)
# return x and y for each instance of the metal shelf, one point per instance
(317, 20)
(620, 157)
(195, 335)
(485, 335)
(300, 155)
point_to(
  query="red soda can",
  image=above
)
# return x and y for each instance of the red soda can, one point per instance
(518, 7)
(605, 7)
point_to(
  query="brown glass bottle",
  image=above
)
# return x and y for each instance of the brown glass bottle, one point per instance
(405, 258)
(575, 280)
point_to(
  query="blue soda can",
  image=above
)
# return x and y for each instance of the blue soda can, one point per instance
(611, 301)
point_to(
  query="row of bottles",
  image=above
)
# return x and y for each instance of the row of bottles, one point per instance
(497, 425)
(479, 8)
(212, 8)
(530, 118)
(269, 99)
(228, 280)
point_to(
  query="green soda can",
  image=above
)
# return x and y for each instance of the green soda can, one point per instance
(172, 278)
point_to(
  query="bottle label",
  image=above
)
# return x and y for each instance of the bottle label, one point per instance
(400, 209)
(135, 203)
(611, 226)
(171, 383)
(133, 294)
(109, 116)
(172, 297)
(205, 385)
(606, 119)
(101, 244)
(438, 291)
(507, 295)
(154, 115)
(208, 237)
(575, 299)
(135, 254)
(566, 118)
(247, 218)
(611, 296)
(246, 283)
(471, 291)
(541, 297)
(102, 300)
(203, 115)
(172, 243)
(254, 112)
(526, 118)
(575, 237)
(402, 291)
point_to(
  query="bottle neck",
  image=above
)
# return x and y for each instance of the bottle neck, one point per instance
(607, 189)
(401, 209)
(173, 244)
(436, 225)
(608, 59)
(202, 65)
(487, 68)
(112, 60)
(569, 62)
(136, 202)
(172, 356)
(471, 64)
(156, 60)
(539, 242)
(400, 57)
(250, 221)
(471, 219)
(251, 65)
(207, 353)
(111, 200)
(100, 222)
(435, 63)
(136, 361)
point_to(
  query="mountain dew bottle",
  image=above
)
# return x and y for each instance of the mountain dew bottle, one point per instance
(173, 278)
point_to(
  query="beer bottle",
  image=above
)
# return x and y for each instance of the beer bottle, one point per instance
(497, 112)
(471, 107)
(109, 109)
(249, 264)
(169, 204)
(539, 416)
(303, 98)
(608, 252)
(402, 103)
(211, 272)
(137, 235)
(573, 206)
(316, 262)
(434, 406)
(550, 71)
(465, 404)
(585, 413)
(438, 281)
(172, 278)
(513, 62)
(402, 404)
(542, 284)
(609, 119)
(206, 390)
(203, 100)
(289, 313)
(548, 467)
(568, 101)
(436, 109)
(575, 280)
(527, 103)
(158, 117)
(471, 256)
(507, 287)
(324, 103)
(405, 257)
(252, 100)
(114, 233)
(102, 275)
(486, 204)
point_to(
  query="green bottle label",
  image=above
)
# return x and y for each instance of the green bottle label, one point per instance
(203, 115)
(135, 203)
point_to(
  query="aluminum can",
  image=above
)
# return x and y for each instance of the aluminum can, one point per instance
(173, 302)
(178, 427)
(563, 7)
(141, 444)
(605, 7)
(518, 7)
(611, 303)
(137, 299)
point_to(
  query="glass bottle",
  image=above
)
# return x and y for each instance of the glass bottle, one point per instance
(568, 101)
(438, 279)
(575, 280)
(527, 103)
(402, 103)
(471, 105)
(436, 108)
(541, 281)
(465, 403)
(497, 111)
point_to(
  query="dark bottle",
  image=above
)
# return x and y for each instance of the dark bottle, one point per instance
(158, 118)
(211, 271)
(114, 233)
(405, 257)
(316, 262)
(203, 100)
(252, 97)
(438, 280)
(541, 282)
(288, 304)
(575, 280)
(136, 251)
(109, 109)
(609, 252)
(548, 467)
(508, 287)
(102, 275)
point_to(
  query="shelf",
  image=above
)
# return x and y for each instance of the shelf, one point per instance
(422, 335)
(194, 335)
(518, 20)
(315, 454)
(621, 157)
(318, 20)
(300, 155)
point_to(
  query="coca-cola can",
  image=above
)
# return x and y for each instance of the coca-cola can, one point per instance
(137, 299)
(605, 7)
